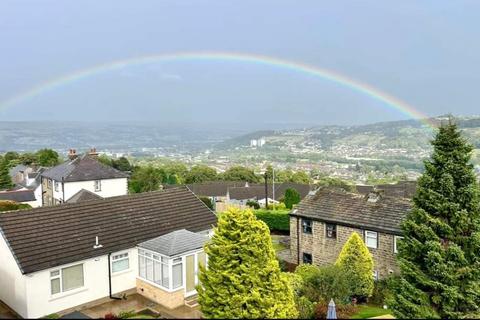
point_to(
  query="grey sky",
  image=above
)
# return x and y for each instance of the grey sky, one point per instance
(426, 53)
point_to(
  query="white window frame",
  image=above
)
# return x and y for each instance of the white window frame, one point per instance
(304, 225)
(395, 239)
(49, 183)
(120, 256)
(375, 275)
(148, 254)
(60, 277)
(97, 185)
(369, 235)
(56, 186)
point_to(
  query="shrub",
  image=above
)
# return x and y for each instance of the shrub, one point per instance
(275, 220)
(291, 197)
(380, 292)
(208, 202)
(126, 314)
(323, 283)
(110, 316)
(7, 205)
(277, 206)
(253, 204)
(306, 308)
(344, 311)
(357, 263)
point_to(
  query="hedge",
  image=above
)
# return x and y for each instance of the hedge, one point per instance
(275, 219)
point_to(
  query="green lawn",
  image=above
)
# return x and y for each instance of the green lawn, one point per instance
(366, 311)
(278, 246)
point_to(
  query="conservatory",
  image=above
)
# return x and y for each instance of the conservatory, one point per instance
(168, 267)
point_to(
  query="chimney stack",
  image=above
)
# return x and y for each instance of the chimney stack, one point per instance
(93, 153)
(72, 154)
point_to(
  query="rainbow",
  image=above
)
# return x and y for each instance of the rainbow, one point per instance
(363, 88)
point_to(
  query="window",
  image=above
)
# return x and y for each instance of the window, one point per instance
(331, 231)
(375, 275)
(156, 269)
(49, 184)
(98, 185)
(371, 238)
(307, 258)
(120, 262)
(66, 279)
(57, 186)
(395, 243)
(177, 277)
(307, 226)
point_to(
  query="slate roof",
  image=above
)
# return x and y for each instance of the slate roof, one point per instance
(83, 168)
(47, 237)
(244, 193)
(214, 188)
(402, 189)
(175, 243)
(83, 195)
(18, 195)
(351, 209)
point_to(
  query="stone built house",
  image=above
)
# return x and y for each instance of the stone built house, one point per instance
(72, 256)
(322, 223)
(84, 172)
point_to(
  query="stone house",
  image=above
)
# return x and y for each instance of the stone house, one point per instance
(322, 223)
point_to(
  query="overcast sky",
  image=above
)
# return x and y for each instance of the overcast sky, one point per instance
(426, 53)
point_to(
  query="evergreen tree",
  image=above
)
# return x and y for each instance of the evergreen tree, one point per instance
(291, 197)
(5, 179)
(439, 256)
(357, 263)
(243, 278)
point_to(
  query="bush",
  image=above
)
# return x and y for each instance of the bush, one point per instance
(357, 263)
(277, 206)
(253, 204)
(306, 308)
(208, 202)
(344, 311)
(291, 197)
(380, 292)
(323, 283)
(275, 220)
(8, 205)
(126, 314)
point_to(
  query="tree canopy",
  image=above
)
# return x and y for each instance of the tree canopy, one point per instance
(291, 197)
(243, 279)
(239, 173)
(439, 254)
(145, 179)
(200, 173)
(46, 158)
(5, 179)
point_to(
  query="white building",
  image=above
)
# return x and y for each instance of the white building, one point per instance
(62, 182)
(59, 259)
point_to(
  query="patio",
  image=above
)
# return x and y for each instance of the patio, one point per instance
(136, 303)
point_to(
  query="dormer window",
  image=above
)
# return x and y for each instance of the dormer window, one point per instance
(98, 185)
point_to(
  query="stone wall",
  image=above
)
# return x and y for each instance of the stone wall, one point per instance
(170, 300)
(325, 250)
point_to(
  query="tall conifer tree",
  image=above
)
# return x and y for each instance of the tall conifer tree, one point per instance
(243, 278)
(5, 179)
(439, 256)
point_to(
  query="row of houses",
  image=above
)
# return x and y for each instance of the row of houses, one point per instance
(224, 194)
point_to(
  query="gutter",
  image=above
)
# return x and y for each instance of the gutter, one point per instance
(110, 280)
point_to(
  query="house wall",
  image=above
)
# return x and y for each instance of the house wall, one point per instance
(12, 282)
(109, 188)
(168, 299)
(47, 192)
(41, 302)
(325, 250)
